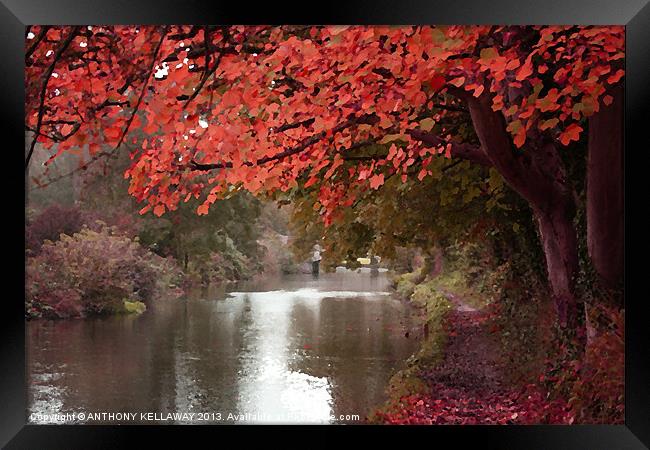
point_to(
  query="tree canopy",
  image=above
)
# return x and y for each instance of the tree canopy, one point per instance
(264, 108)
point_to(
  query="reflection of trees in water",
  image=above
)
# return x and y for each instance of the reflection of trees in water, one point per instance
(179, 356)
(192, 355)
(105, 362)
(349, 344)
(209, 350)
(160, 366)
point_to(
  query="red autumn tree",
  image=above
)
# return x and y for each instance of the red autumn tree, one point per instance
(273, 108)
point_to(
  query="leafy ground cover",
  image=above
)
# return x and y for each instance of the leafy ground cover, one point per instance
(462, 374)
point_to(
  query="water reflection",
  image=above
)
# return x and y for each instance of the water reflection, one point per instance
(291, 350)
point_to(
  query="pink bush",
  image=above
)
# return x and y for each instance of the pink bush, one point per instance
(91, 272)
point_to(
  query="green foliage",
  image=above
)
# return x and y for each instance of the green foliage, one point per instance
(457, 201)
(473, 272)
(433, 307)
(134, 307)
(405, 284)
(183, 233)
(218, 247)
(403, 261)
(522, 319)
(227, 263)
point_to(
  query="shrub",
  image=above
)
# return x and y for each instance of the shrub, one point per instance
(592, 382)
(599, 396)
(125, 224)
(405, 284)
(522, 319)
(50, 224)
(90, 272)
(403, 261)
(227, 263)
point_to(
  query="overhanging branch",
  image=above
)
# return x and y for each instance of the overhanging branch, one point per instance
(458, 150)
(369, 119)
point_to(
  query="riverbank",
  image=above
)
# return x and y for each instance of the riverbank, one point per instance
(483, 362)
(457, 376)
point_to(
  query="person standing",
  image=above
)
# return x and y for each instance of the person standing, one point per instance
(315, 260)
(374, 266)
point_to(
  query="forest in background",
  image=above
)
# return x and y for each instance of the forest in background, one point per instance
(89, 251)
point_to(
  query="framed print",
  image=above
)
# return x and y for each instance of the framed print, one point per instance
(362, 216)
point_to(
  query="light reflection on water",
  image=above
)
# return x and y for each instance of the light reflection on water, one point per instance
(290, 350)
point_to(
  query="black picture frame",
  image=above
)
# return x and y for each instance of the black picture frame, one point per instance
(634, 14)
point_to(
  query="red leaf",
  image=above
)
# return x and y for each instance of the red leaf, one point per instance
(437, 82)
(617, 76)
(572, 133)
(376, 181)
(526, 70)
(458, 82)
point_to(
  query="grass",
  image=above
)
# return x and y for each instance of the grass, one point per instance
(455, 282)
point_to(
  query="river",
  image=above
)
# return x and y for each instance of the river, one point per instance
(293, 349)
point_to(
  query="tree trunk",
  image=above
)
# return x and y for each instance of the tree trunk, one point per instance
(605, 191)
(560, 249)
(538, 175)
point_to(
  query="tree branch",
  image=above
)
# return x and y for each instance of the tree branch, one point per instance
(106, 153)
(37, 40)
(48, 74)
(208, 73)
(458, 150)
(144, 87)
(369, 119)
(537, 173)
(290, 126)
